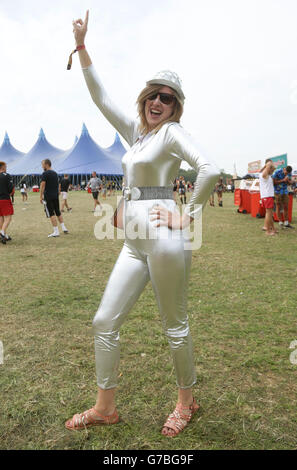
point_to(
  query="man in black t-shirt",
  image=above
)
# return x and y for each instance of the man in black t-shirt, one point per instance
(64, 186)
(49, 196)
(6, 207)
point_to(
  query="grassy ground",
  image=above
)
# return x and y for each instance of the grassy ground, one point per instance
(242, 309)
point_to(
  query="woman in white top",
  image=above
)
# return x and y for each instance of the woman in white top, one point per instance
(158, 146)
(267, 195)
(24, 192)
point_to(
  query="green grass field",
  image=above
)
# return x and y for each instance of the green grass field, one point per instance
(242, 310)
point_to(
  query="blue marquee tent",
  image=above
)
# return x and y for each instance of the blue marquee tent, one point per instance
(8, 153)
(86, 156)
(30, 163)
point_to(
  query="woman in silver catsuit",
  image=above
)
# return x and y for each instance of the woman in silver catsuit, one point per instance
(158, 144)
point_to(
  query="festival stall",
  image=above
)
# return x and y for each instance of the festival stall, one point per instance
(247, 195)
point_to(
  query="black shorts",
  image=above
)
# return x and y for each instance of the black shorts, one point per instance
(95, 194)
(52, 207)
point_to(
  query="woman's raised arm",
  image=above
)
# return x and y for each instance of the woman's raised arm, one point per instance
(128, 128)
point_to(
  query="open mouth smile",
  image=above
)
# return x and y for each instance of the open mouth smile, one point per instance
(154, 113)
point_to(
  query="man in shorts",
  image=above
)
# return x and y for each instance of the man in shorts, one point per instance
(267, 195)
(63, 189)
(6, 207)
(95, 184)
(282, 178)
(49, 196)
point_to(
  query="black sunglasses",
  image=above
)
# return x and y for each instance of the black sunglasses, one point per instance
(165, 98)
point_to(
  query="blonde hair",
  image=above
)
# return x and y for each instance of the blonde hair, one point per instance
(143, 96)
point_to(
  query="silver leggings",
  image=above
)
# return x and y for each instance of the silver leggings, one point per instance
(167, 265)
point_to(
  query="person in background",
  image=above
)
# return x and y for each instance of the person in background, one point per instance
(95, 184)
(281, 179)
(63, 189)
(267, 195)
(182, 190)
(294, 186)
(109, 188)
(24, 192)
(219, 190)
(175, 188)
(103, 187)
(49, 196)
(6, 207)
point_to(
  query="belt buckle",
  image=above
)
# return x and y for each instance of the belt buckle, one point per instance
(135, 193)
(127, 193)
(131, 193)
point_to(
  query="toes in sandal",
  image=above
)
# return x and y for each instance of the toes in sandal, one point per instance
(179, 419)
(89, 418)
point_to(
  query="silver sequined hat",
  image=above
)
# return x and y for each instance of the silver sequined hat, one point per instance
(168, 78)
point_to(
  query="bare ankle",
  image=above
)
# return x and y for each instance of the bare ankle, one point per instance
(187, 402)
(105, 411)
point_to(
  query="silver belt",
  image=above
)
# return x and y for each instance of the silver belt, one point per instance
(140, 193)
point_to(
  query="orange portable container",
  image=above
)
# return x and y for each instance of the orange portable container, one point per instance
(257, 210)
(247, 201)
(237, 197)
(241, 197)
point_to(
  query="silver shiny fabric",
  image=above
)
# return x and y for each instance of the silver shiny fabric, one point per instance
(153, 160)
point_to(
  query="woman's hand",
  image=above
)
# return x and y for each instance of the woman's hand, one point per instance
(169, 219)
(80, 28)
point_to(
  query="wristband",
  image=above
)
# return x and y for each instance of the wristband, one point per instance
(78, 48)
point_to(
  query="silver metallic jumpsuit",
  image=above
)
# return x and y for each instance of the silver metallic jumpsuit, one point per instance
(151, 161)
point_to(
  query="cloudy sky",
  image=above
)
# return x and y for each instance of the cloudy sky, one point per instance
(236, 58)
